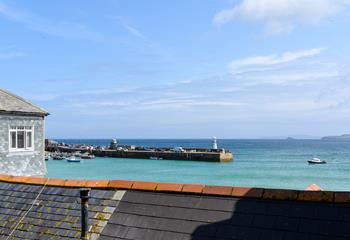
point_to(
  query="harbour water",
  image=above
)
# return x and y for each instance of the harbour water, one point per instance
(257, 163)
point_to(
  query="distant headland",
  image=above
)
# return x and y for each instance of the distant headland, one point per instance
(341, 137)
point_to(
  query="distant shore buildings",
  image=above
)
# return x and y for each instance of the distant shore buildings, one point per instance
(21, 136)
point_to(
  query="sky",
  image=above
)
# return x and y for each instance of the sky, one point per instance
(180, 69)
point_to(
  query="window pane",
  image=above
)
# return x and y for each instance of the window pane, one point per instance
(20, 139)
(13, 139)
(29, 140)
(20, 127)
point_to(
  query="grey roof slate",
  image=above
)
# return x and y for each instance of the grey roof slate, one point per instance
(152, 215)
(56, 213)
(138, 215)
(10, 103)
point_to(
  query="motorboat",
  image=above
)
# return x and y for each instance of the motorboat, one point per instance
(316, 160)
(73, 159)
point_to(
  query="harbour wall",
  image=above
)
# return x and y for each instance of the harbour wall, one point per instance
(166, 155)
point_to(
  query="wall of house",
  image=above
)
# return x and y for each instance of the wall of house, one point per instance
(28, 163)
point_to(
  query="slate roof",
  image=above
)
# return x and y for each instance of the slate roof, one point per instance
(12, 104)
(134, 210)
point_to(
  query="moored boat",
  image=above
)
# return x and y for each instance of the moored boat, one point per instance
(73, 159)
(316, 160)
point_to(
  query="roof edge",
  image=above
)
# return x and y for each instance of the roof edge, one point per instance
(197, 189)
(41, 110)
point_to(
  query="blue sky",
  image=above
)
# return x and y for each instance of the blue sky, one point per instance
(180, 69)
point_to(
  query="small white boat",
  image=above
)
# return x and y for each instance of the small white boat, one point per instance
(316, 160)
(73, 159)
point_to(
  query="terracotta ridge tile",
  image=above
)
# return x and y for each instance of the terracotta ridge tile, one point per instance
(120, 184)
(316, 196)
(280, 194)
(169, 187)
(140, 185)
(217, 190)
(97, 183)
(247, 192)
(193, 188)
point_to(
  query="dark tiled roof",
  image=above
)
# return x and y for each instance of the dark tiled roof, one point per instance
(55, 214)
(150, 215)
(10, 103)
(157, 211)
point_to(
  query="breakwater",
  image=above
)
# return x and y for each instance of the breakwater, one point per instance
(189, 154)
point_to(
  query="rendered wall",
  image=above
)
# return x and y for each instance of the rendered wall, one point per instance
(30, 163)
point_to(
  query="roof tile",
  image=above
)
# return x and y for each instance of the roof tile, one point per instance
(59, 182)
(144, 185)
(97, 183)
(193, 188)
(122, 184)
(317, 196)
(280, 194)
(247, 192)
(74, 183)
(173, 187)
(342, 197)
(217, 190)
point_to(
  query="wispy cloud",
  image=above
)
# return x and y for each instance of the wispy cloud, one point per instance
(128, 27)
(60, 29)
(281, 16)
(274, 59)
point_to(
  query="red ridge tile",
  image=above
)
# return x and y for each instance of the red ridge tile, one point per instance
(172, 187)
(218, 190)
(342, 197)
(74, 183)
(139, 185)
(97, 183)
(122, 184)
(280, 194)
(247, 192)
(193, 188)
(316, 196)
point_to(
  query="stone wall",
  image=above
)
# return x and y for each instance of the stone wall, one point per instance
(26, 163)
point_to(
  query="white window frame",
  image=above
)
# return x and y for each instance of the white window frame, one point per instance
(25, 129)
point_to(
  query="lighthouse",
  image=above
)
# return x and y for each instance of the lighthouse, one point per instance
(215, 145)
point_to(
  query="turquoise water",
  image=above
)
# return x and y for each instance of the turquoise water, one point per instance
(258, 163)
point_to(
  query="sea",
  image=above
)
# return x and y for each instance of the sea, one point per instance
(257, 163)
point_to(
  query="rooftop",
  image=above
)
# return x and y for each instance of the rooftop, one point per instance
(41, 208)
(13, 104)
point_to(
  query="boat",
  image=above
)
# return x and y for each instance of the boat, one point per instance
(73, 159)
(58, 157)
(87, 156)
(316, 160)
(156, 158)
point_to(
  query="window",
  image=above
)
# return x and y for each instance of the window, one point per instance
(21, 138)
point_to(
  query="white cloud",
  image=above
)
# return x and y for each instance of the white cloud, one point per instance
(281, 16)
(274, 59)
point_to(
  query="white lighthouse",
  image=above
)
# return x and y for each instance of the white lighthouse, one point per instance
(215, 145)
